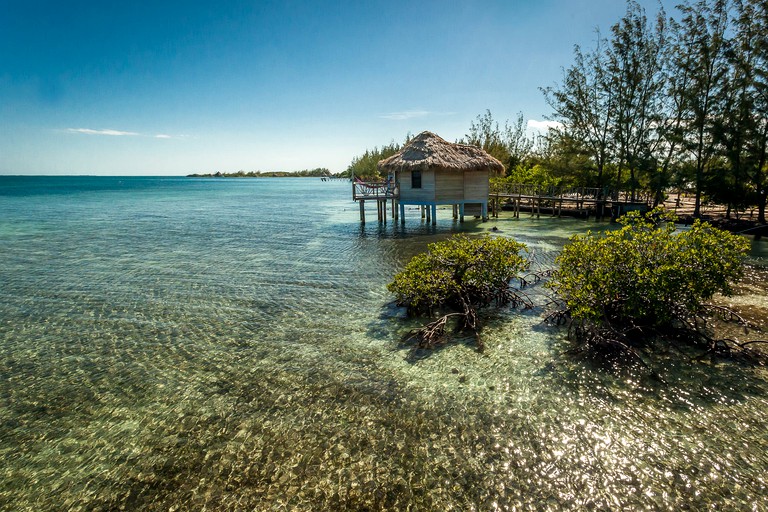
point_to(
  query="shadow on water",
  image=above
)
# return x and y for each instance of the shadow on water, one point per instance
(673, 376)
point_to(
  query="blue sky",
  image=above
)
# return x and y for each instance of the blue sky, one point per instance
(176, 87)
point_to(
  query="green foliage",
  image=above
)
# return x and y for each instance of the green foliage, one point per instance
(668, 96)
(365, 165)
(318, 172)
(646, 273)
(458, 272)
(510, 144)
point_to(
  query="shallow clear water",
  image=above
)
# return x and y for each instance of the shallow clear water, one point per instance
(181, 344)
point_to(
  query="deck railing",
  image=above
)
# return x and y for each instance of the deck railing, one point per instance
(530, 190)
(373, 190)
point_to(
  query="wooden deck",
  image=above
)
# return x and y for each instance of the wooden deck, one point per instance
(555, 201)
(579, 201)
(381, 192)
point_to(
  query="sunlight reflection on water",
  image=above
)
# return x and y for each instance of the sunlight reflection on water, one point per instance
(193, 347)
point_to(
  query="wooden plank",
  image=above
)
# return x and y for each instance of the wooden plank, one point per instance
(476, 185)
(449, 186)
(423, 194)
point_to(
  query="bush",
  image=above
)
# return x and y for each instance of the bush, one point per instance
(459, 275)
(646, 278)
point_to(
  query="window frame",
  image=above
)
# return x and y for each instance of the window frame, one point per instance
(416, 179)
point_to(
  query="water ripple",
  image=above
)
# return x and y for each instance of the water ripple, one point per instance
(192, 345)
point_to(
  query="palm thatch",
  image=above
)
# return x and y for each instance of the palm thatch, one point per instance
(429, 151)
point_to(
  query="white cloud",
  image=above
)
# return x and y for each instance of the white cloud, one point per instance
(89, 131)
(542, 126)
(407, 114)
(121, 133)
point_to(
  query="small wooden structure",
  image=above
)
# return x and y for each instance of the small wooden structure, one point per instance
(381, 192)
(430, 171)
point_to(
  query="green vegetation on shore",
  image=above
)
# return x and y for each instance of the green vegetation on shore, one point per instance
(320, 172)
(674, 105)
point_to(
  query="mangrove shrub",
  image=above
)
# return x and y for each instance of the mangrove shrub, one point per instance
(456, 277)
(646, 280)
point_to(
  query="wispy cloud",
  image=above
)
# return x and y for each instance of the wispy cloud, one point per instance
(114, 133)
(543, 125)
(406, 114)
(122, 133)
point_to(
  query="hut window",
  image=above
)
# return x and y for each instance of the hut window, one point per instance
(415, 179)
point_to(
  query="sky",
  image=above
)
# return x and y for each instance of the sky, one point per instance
(197, 86)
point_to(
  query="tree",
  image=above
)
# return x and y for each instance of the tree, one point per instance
(759, 144)
(702, 52)
(459, 275)
(741, 129)
(485, 133)
(622, 288)
(510, 144)
(634, 60)
(519, 144)
(670, 168)
(365, 165)
(585, 105)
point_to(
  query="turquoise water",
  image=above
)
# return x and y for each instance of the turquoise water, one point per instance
(181, 344)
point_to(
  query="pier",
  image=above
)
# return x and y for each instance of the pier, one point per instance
(578, 201)
(533, 199)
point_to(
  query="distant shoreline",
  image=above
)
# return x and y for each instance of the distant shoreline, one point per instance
(314, 173)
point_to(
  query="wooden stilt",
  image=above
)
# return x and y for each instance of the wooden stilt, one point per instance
(434, 214)
(362, 211)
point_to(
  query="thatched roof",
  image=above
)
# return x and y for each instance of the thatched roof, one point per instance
(428, 151)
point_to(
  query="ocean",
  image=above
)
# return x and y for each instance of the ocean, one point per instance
(169, 343)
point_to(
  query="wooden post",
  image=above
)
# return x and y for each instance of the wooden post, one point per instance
(455, 212)
(461, 212)
(434, 214)
(402, 213)
(362, 211)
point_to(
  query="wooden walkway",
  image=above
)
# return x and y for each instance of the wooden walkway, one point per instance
(556, 201)
(579, 201)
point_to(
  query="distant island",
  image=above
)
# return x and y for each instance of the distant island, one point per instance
(320, 172)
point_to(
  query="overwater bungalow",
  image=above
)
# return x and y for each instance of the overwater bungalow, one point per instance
(430, 171)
